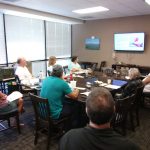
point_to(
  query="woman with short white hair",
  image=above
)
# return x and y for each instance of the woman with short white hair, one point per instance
(132, 84)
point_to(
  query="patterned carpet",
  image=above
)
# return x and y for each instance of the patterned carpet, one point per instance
(11, 140)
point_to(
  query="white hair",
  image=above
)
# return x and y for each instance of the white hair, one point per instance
(134, 73)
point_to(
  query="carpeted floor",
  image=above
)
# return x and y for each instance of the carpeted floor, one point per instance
(11, 140)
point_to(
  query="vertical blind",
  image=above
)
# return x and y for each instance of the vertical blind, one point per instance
(25, 38)
(2, 42)
(58, 39)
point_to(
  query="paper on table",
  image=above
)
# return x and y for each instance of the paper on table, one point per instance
(13, 96)
(79, 76)
(113, 86)
(80, 88)
(85, 93)
(103, 84)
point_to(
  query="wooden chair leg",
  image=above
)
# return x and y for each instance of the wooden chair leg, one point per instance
(137, 117)
(36, 135)
(131, 120)
(18, 123)
(8, 122)
(48, 138)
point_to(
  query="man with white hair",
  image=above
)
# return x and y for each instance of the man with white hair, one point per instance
(22, 71)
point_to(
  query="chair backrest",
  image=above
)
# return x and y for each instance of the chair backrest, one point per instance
(138, 95)
(49, 72)
(103, 64)
(41, 108)
(108, 71)
(65, 69)
(18, 82)
(122, 108)
(94, 66)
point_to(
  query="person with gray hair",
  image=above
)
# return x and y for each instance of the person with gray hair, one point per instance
(54, 88)
(98, 135)
(133, 83)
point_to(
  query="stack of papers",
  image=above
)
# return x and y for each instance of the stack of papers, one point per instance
(103, 84)
(14, 96)
(112, 86)
(86, 93)
(80, 88)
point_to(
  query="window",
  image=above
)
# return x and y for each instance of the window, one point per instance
(25, 37)
(58, 39)
(2, 41)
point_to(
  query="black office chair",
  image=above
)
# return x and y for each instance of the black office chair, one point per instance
(43, 119)
(136, 105)
(66, 70)
(123, 107)
(103, 64)
(23, 89)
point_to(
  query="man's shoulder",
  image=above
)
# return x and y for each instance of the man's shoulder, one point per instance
(74, 133)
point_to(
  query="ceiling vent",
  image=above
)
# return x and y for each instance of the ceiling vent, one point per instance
(87, 17)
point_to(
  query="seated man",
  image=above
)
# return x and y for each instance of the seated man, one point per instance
(21, 71)
(54, 88)
(97, 135)
(146, 82)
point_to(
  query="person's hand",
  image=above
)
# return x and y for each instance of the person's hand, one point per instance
(2, 96)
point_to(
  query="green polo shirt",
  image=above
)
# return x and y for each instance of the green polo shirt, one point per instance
(55, 89)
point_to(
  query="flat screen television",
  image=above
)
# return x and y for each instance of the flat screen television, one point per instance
(129, 41)
(92, 43)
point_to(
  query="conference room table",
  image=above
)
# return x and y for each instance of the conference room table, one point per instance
(85, 83)
(99, 79)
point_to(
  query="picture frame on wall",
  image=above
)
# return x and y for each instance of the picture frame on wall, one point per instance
(92, 43)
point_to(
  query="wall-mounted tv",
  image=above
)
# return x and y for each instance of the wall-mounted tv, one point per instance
(129, 41)
(92, 43)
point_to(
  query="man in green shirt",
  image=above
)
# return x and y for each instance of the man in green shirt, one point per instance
(54, 88)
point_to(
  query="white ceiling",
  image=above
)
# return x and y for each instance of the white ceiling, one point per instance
(118, 8)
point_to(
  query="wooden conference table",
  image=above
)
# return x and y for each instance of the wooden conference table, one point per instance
(102, 79)
(81, 83)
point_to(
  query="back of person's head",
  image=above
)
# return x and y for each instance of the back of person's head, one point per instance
(52, 60)
(74, 58)
(100, 106)
(134, 73)
(57, 71)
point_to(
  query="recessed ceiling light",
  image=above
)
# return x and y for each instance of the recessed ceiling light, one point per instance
(90, 10)
(148, 2)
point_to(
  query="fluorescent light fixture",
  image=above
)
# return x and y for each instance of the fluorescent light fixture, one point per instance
(148, 2)
(90, 10)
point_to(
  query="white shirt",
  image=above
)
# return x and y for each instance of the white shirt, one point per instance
(74, 66)
(147, 86)
(23, 73)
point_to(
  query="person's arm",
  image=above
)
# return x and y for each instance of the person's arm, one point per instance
(74, 94)
(68, 91)
(146, 80)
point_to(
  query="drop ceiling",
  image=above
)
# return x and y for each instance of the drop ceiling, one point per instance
(117, 8)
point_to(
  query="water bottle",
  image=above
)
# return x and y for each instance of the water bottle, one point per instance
(40, 78)
(71, 77)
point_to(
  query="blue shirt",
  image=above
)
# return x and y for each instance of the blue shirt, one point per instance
(55, 89)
